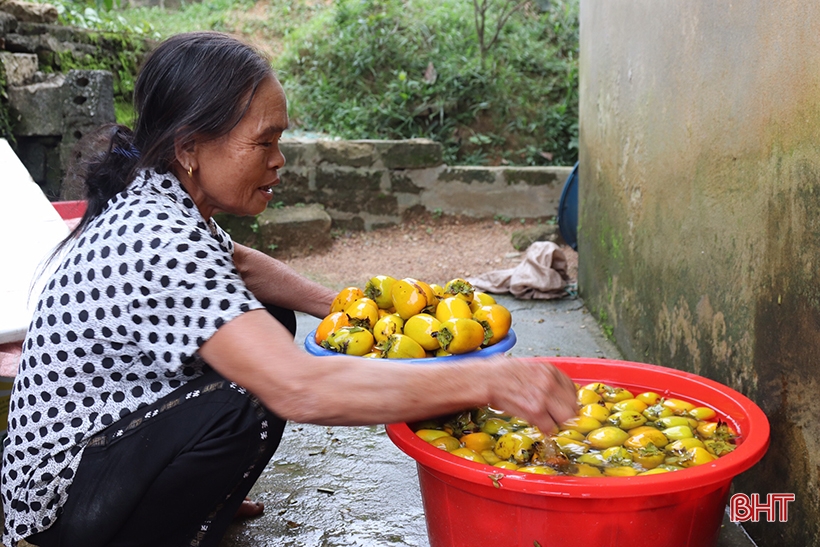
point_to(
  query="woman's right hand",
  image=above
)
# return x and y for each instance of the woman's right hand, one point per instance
(532, 389)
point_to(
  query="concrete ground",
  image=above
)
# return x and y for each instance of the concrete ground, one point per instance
(350, 486)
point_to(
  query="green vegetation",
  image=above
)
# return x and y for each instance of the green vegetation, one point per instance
(392, 69)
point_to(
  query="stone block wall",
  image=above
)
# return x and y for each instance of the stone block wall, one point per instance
(57, 84)
(49, 118)
(366, 184)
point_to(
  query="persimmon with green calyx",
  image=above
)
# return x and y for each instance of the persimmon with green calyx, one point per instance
(363, 313)
(627, 419)
(432, 299)
(350, 341)
(649, 398)
(460, 288)
(386, 326)
(718, 448)
(653, 412)
(678, 406)
(496, 320)
(641, 437)
(379, 288)
(678, 432)
(648, 457)
(460, 335)
(514, 445)
(702, 413)
(401, 346)
(478, 441)
(671, 421)
(616, 394)
(629, 404)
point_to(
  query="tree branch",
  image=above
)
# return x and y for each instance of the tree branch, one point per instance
(512, 6)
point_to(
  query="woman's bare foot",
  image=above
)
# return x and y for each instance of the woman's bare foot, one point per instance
(249, 508)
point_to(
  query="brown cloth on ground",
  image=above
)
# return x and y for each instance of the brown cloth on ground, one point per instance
(541, 275)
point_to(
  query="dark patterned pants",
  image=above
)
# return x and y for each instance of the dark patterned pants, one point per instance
(172, 474)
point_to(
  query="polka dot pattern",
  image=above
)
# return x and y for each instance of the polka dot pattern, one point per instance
(116, 328)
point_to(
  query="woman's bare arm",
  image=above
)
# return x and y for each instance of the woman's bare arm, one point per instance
(256, 352)
(273, 282)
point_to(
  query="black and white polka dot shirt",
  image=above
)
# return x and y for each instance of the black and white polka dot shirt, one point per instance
(117, 327)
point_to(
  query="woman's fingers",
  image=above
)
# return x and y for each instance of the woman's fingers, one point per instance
(534, 390)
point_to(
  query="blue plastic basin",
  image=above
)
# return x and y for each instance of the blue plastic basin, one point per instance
(502, 346)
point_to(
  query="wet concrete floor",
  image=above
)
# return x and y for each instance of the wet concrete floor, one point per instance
(350, 486)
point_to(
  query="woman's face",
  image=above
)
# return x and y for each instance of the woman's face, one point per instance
(236, 173)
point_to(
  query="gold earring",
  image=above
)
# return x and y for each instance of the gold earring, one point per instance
(190, 172)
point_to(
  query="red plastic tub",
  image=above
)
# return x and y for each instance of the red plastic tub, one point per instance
(70, 209)
(464, 507)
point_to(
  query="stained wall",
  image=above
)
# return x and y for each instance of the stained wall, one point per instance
(699, 215)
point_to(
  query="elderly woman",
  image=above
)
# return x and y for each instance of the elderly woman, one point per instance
(157, 374)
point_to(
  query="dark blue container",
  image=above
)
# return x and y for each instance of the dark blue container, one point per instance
(568, 210)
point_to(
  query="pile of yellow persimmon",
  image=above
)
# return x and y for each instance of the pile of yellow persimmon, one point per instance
(614, 434)
(411, 319)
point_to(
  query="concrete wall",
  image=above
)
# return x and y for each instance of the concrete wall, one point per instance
(699, 231)
(366, 184)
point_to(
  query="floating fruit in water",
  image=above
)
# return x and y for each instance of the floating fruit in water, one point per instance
(447, 443)
(607, 436)
(514, 445)
(468, 454)
(478, 441)
(665, 444)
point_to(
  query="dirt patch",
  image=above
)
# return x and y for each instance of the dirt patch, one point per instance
(433, 249)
